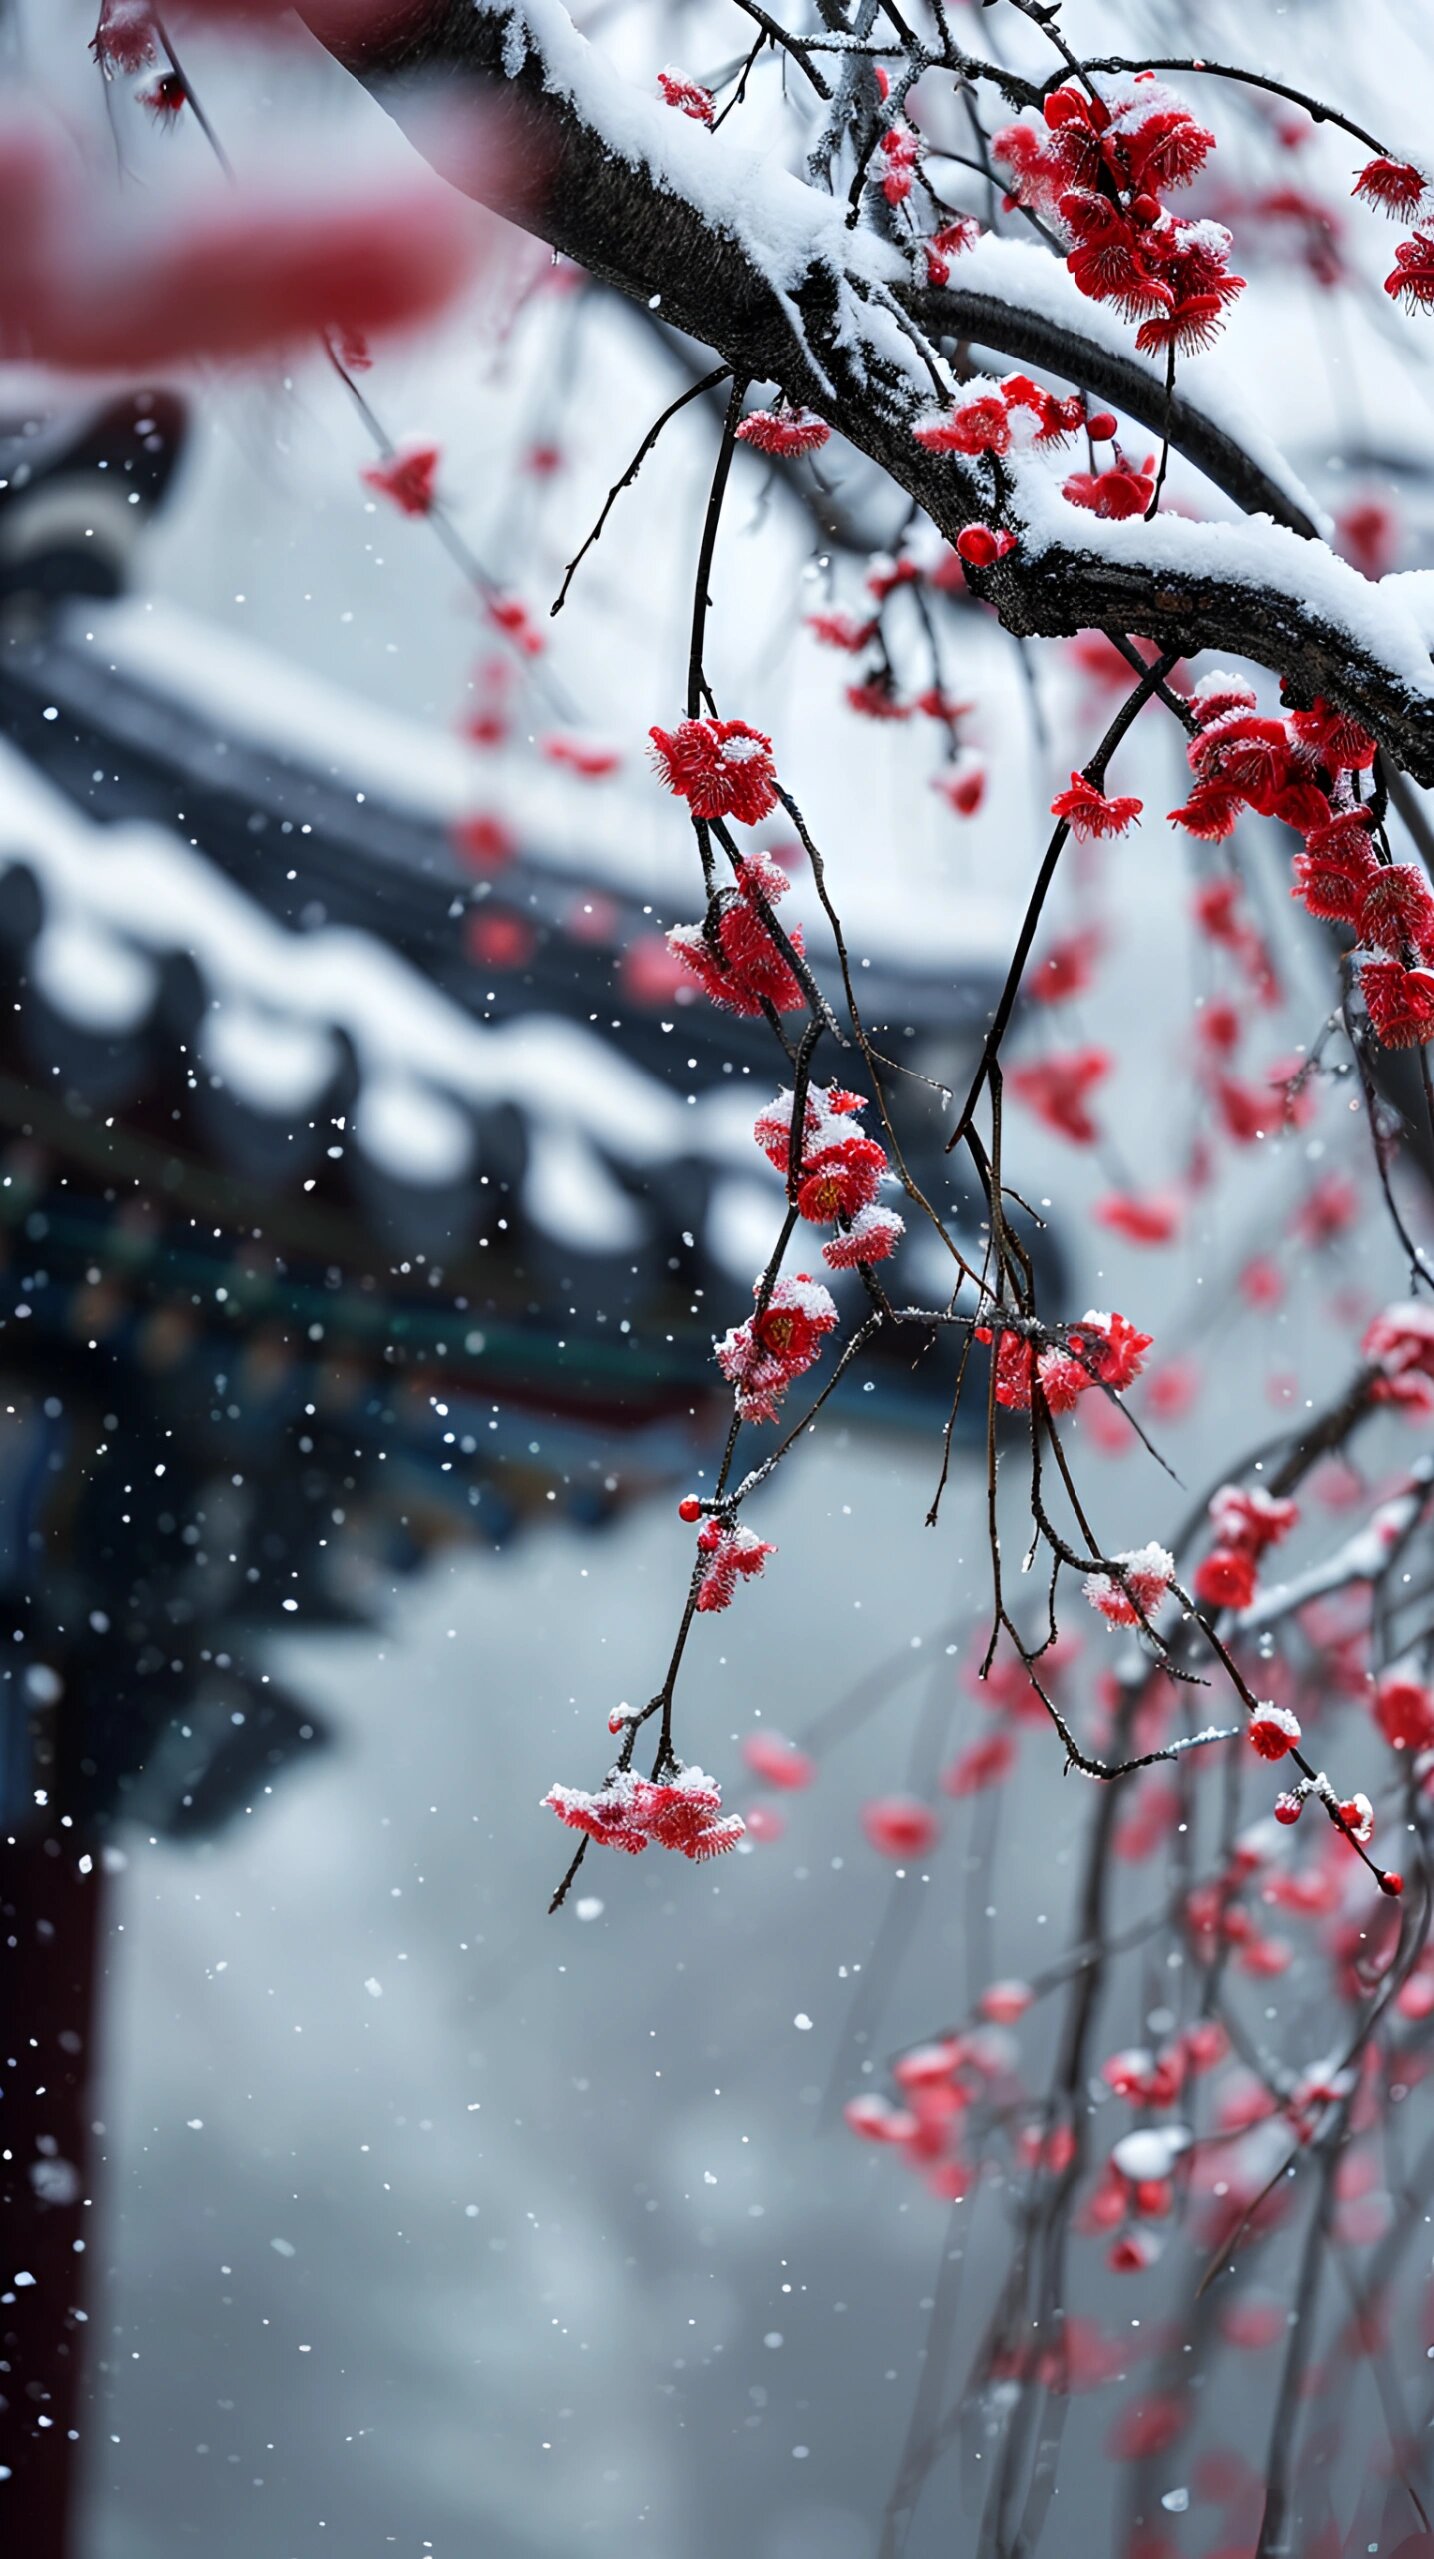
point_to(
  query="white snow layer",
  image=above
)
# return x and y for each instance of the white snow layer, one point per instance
(117, 899)
(1378, 619)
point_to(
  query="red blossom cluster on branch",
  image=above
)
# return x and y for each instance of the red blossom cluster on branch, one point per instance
(1103, 1350)
(1100, 169)
(838, 1171)
(762, 1356)
(734, 955)
(681, 1811)
(1247, 1521)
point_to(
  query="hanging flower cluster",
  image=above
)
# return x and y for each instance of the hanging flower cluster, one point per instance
(1102, 1350)
(838, 1175)
(1394, 187)
(681, 1812)
(900, 150)
(784, 432)
(729, 1556)
(688, 96)
(762, 1356)
(721, 768)
(1099, 169)
(1135, 1594)
(1247, 1521)
(1301, 768)
(734, 955)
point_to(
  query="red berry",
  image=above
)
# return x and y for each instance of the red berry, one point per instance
(689, 1508)
(1392, 1884)
(1101, 427)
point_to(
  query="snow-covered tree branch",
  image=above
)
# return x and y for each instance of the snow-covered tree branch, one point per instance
(771, 273)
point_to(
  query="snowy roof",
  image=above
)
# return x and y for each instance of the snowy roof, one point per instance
(304, 1028)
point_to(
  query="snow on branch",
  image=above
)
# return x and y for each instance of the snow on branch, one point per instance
(738, 252)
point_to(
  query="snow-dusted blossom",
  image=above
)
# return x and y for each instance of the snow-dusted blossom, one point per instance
(1400, 1341)
(1273, 1730)
(872, 1235)
(1099, 170)
(900, 150)
(681, 1812)
(722, 768)
(1399, 1001)
(1246, 1520)
(1100, 1350)
(688, 96)
(784, 432)
(1395, 909)
(733, 955)
(978, 423)
(1146, 1575)
(1112, 1346)
(1140, 2078)
(1357, 1814)
(1246, 1515)
(762, 1356)
(729, 1556)
(839, 1172)
(1300, 769)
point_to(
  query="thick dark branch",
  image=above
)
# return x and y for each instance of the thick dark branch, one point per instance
(759, 267)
